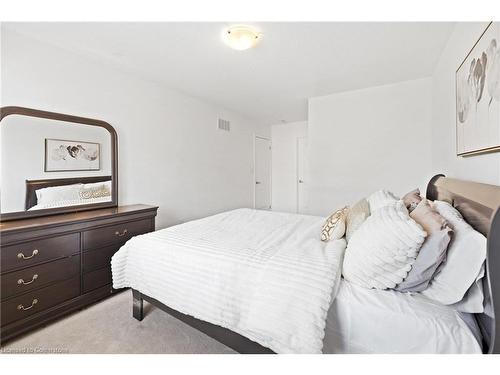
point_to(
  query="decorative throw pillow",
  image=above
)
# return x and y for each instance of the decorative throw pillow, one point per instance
(412, 199)
(356, 215)
(464, 261)
(95, 192)
(381, 199)
(428, 217)
(381, 252)
(334, 227)
(429, 258)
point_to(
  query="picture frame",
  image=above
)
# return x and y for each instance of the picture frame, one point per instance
(70, 156)
(477, 95)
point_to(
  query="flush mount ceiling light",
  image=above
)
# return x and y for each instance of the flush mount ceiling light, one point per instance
(241, 37)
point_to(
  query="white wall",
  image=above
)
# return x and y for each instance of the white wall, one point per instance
(170, 151)
(284, 161)
(481, 168)
(364, 140)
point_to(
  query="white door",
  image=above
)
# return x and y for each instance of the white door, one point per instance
(262, 173)
(301, 174)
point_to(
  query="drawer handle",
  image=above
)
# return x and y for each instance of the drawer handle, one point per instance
(33, 303)
(117, 233)
(22, 256)
(22, 282)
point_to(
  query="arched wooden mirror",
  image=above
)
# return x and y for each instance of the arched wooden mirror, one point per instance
(55, 163)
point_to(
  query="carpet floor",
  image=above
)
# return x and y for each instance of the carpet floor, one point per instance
(108, 327)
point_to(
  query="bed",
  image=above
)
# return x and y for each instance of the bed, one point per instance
(31, 200)
(342, 318)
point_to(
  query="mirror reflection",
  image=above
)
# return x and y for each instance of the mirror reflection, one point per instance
(48, 164)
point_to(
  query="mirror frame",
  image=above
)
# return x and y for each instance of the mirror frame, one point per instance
(23, 111)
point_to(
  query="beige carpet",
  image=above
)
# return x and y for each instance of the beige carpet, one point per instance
(108, 327)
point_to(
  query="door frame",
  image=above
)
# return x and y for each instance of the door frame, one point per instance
(270, 169)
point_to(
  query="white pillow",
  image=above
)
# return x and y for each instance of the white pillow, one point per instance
(381, 199)
(58, 193)
(381, 252)
(356, 216)
(98, 185)
(463, 269)
(473, 301)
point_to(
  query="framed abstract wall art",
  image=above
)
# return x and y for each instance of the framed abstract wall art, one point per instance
(62, 155)
(478, 96)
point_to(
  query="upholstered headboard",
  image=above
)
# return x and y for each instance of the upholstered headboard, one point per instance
(479, 205)
(33, 185)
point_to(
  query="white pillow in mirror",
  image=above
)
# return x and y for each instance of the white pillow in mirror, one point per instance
(463, 266)
(58, 193)
(98, 185)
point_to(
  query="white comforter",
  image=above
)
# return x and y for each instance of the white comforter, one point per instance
(264, 275)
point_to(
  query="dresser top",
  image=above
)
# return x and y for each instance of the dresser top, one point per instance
(61, 219)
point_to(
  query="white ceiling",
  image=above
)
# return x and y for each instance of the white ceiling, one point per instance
(271, 82)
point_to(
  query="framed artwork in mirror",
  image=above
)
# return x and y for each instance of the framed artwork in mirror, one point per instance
(62, 155)
(478, 96)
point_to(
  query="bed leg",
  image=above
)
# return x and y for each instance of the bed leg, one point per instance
(137, 305)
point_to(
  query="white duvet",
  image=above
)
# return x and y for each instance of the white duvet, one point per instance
(264, 275)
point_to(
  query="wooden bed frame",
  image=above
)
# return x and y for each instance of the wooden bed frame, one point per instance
(479, 205)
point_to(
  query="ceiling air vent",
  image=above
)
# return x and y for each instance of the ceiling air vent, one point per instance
(224, 125)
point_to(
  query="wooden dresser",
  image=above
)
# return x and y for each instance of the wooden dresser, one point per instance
(56, 264)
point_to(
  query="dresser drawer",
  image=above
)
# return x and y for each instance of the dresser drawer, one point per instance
(34, 252)
(38, 300)
(114, 234)
(27, 279)
(99, 258)
(96, 279)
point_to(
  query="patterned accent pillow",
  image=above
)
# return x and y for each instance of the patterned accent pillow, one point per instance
(412, 199)
(428, 217)
(95, 192)
(334, 227)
